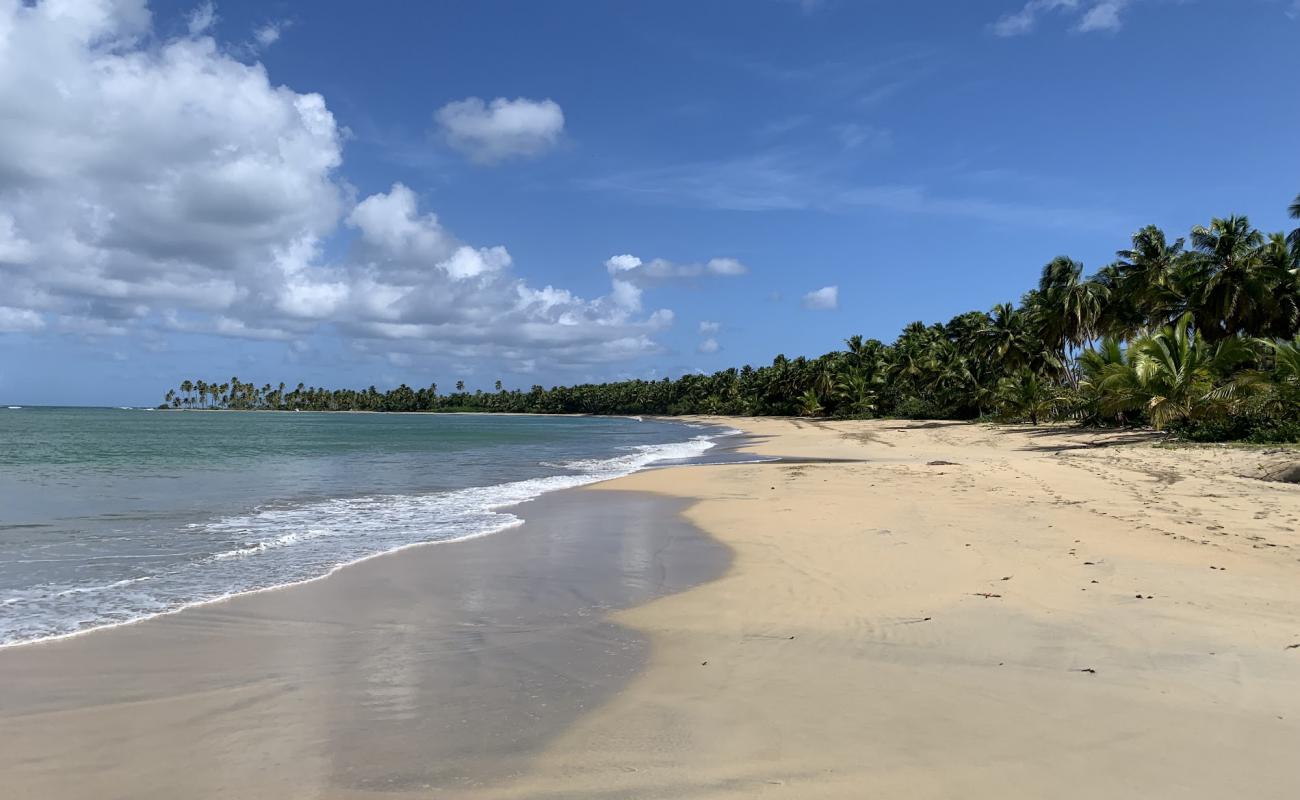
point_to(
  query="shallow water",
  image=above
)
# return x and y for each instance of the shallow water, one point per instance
(110, 515)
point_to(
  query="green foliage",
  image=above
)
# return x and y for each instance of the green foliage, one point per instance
(1198, 338)
(1027, 396)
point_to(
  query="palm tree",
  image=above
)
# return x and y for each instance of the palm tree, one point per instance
(1172, 374)
(854, 392)
(460, 386)
(826, 376)
(1294, 210)
(1025, 394)
(1274, 392)
(187, 386)
(1233, 283)
(1008, 339)
(1066, 308)
(1143, 288)
(810, 405)
(1093, 402)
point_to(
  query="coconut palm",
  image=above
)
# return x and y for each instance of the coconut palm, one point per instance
(810, 405)
(855, 393)
(1026, 395)
(1145, 287)
(1065, 310)
(1294, 210)
(1234, 284)
(1172, 374)
(1008, 338)
(1093, 402)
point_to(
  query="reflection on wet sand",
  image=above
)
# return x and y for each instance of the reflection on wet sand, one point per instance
(434, 667)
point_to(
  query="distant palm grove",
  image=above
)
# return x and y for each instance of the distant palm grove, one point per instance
(1201, 335)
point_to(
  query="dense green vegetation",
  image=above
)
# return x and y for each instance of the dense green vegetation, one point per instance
(1199, 334)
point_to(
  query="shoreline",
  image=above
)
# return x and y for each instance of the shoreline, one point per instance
(900, 608)
(509, 520)
(960, 614)
(496, 644)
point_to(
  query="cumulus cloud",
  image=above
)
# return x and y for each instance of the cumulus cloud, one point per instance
(707, 327)
(152, 185)
(709, 345)
(629, 267)
(823, 299)
(492, 132)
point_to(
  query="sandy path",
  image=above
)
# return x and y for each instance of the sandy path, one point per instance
(1053, 615)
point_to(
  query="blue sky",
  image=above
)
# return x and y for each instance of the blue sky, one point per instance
(346, 194)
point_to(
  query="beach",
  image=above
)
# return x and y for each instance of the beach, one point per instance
(898, 609)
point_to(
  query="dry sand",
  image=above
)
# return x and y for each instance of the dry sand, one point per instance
(1054, 615)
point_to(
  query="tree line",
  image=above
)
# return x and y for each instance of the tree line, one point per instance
(1200, 334)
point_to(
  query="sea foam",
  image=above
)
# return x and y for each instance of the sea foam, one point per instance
(279, 545)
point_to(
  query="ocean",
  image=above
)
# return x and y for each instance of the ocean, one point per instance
(108, 516)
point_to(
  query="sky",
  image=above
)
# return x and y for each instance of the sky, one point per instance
(348, 194)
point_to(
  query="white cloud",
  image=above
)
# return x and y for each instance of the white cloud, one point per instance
(142, 177)
(153, 185)
(1024, 20)
(1103, 17)
(823, 299)
(623, 263)
(14, 320)
(492, 132)
(269, 34)
(660, 269)
(709, 345)
(725, 266)
(201, 19)
(1091, 16)
(707, 327)
(468, 263)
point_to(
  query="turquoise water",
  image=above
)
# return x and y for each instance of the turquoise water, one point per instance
(112, 515)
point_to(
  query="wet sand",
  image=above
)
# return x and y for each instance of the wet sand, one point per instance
(433, 668)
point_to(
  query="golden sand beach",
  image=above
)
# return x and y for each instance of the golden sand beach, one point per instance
(1053, 614)
(918, 610)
